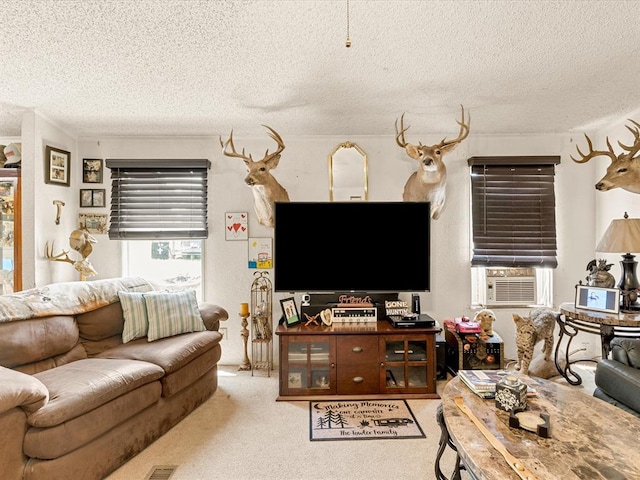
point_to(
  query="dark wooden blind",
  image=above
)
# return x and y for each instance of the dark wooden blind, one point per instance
(513, 209)
(158, 198)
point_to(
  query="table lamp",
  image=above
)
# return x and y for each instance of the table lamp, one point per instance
(623, 236)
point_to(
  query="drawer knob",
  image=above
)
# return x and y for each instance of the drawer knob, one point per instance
(356, 349)
(358, 379)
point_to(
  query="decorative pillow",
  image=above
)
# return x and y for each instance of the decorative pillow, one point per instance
(134, 311)
(172, 313)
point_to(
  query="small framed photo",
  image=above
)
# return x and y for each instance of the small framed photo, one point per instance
(91, 197)
(91, 170)
(57, 166)
(93, 222)
(290, 311)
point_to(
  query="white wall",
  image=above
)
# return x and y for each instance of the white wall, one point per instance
(303, 172)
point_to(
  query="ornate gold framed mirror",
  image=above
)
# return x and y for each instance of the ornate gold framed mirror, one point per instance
(348, 173)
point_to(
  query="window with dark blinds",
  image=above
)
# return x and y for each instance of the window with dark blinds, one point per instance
(153, 199)
(513, 210)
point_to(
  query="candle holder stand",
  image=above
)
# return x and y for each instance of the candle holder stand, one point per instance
(244, 333)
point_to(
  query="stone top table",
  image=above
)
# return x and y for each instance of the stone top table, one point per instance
(589, 439)
(573, 320)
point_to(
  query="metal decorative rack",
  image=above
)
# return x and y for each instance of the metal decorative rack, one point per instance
(261, 323)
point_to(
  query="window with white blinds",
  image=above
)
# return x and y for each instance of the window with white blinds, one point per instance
(158, 199)
(513, 210)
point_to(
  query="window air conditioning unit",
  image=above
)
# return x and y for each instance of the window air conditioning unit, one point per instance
(511, 286)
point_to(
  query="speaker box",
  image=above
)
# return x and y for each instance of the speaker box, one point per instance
(415, 303)
(441, 357)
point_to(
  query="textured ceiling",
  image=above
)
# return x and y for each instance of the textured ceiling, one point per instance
(144, 67)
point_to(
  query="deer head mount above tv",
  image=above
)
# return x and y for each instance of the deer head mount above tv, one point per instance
(624, 170)
(264, 186)
(428, 183)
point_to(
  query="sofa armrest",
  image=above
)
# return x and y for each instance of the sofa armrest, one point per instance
(626, 350)
(620, 382)
(212, 315)
(18, 389)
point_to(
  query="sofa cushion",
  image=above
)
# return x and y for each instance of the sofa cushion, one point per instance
(619, 381)
(172, 313)
(134, 311)
(46, 442)
(21, 390)
(104, 322)
(173, 383)
(78, 387)
(29, 341)
(171, 353)
(626, 350)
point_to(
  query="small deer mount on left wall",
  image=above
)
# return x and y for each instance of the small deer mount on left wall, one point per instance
(82, 242)
(264, 186)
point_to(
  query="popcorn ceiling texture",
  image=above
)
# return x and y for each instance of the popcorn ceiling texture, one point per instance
(194, 67)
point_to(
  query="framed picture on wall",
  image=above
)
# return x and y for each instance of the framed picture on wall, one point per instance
(92, 197)
(92, 170)
(57, 166)
(94, 222)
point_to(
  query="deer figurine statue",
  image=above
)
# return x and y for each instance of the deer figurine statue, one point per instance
(428, 183)
(266, 189)
(624, 170)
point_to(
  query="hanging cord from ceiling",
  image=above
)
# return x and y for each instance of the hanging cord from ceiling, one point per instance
(348, 43)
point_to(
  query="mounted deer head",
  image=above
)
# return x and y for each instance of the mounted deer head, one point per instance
(624, 170)
(428, 183)
(266, 189)
(81, 241)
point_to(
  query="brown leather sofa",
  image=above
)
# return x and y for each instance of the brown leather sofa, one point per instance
(618, 378)
(75, 402)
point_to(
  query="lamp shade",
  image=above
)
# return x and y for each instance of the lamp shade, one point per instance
(622, 236)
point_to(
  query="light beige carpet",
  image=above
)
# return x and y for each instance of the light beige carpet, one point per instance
(242, 433)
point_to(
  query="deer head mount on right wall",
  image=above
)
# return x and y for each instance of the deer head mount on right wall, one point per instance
(428, 183)
(624, 170)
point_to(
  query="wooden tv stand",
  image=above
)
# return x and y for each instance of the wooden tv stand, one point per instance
(357, 361)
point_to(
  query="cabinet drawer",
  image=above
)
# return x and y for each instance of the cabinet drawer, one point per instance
(357, 349)
(354, 379)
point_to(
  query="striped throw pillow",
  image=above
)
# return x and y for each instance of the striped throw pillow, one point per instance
(134, 311)
(172, 313)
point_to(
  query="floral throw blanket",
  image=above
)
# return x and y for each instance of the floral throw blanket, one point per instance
(67, 298)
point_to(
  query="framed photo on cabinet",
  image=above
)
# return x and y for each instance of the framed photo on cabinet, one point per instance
(57, 166)
(290, 312)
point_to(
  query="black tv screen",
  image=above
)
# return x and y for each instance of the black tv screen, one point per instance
(352, 247)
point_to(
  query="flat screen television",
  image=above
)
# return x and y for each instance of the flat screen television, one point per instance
(366, 247)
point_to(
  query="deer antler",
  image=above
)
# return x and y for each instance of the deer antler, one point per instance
(595, 153)
(278, 139)
(635, 148)
(400, 134)
(61, 257)
(233, 152)
(464, 132)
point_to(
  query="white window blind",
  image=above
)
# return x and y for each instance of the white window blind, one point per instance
(158, 198)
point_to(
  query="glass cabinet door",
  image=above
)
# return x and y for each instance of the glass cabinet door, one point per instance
(9, 232)
(406, 363)
(310, 365)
